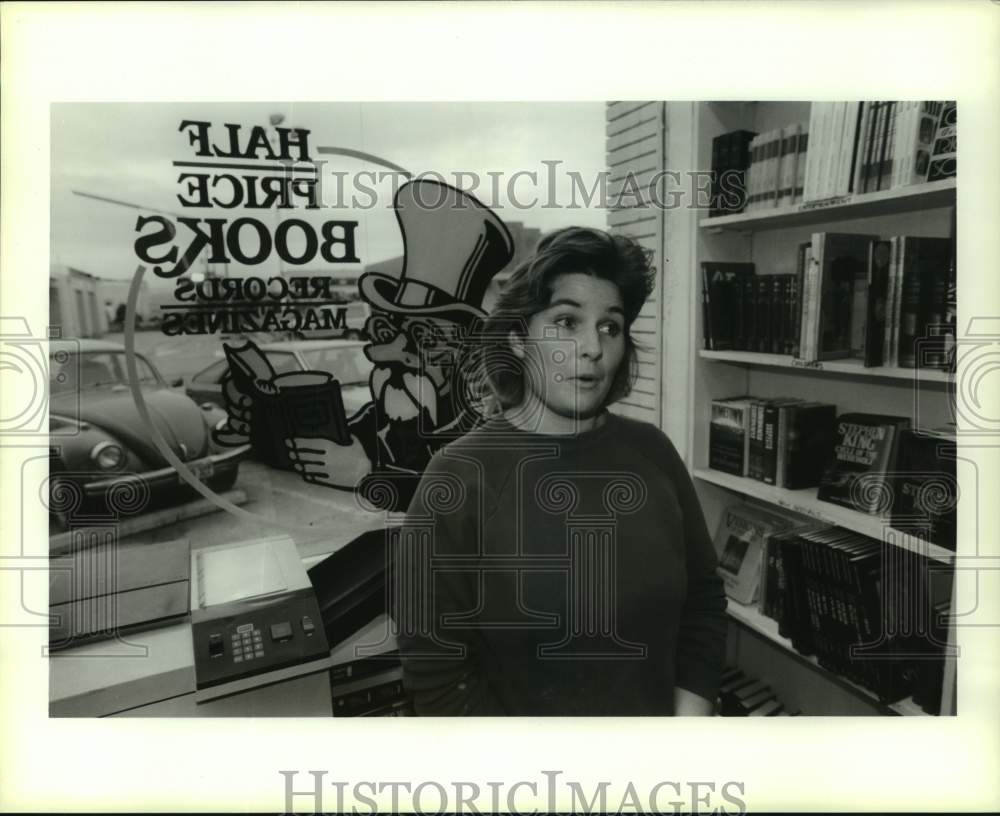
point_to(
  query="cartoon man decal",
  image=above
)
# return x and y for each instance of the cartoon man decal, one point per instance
(453, 246)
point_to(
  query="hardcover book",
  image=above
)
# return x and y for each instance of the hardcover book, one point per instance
(863, 459)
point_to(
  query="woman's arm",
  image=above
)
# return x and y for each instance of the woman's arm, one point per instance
(701, 645)
(441, 671)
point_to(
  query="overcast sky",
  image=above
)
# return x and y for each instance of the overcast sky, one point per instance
(124, 152)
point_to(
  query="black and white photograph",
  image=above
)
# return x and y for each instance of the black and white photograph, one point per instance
(586, 414)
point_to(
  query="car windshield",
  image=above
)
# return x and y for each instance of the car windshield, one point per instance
(348, 364)
(96, 369)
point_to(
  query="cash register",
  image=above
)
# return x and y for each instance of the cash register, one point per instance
(254, 617)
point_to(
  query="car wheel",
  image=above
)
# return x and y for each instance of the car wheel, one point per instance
(224, 481)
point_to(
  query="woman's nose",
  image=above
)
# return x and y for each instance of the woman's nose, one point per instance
(589, 344)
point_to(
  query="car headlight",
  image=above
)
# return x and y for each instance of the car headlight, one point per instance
(108, 455)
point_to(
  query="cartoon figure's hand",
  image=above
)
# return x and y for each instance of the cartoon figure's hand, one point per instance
(250, 377)
(239, 406)
(321, 461)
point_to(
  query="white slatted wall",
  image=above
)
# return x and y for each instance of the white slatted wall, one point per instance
(636, 139)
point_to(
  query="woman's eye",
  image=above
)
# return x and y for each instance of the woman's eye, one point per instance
(611, 329)
(565, 322)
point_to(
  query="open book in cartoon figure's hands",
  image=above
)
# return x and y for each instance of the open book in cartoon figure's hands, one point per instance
(271, 410)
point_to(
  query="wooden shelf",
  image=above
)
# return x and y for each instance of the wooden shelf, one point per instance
(849, 367)
(805, 503)
(751, 618)
(885, 202)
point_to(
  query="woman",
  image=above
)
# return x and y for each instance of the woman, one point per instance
(555, 561)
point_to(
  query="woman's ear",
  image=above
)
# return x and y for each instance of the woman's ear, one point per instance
(516, 344)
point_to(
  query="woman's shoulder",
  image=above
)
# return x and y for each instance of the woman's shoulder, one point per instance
(639, 431)
(649, 442)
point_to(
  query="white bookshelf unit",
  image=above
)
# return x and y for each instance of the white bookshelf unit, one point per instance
(769, 239)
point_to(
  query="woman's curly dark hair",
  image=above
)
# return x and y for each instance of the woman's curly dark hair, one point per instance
(615, 258)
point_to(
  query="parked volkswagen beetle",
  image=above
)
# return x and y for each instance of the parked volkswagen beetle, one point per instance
(99, 439)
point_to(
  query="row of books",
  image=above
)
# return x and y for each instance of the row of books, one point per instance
(743, 311)
(856, 147)
(871, 463)
(730, 160)
(865, 611)
(777, 172)
(886, 301)
(741, 695)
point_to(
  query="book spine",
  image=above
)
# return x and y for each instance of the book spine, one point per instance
(753, 172)
(779, 313)
(878, 284)
(706, 310)
(879, 169)
(746, 442)
(831, 138)
(749, 311)
(906, 142)
(791, 179)
(717, 169)
(780, 463)
(890, 301)
(861, 142)
(897, 303)
(814, 267)
(851, 136)
(760, 193)
(878, 140)
(799, 299)
(773, 145)
(890, 147)
(878, 113)
(779, 146)
(763, 321)
(840, 148)
(762, 587)
(951, 304)
(769, 463)
(800, 168)
(809, 192)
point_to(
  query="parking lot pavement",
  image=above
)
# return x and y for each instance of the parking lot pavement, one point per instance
(324, 519)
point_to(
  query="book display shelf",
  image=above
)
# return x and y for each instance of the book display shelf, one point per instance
(769, 238)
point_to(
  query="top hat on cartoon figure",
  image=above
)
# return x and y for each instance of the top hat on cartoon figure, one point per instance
(453, 245)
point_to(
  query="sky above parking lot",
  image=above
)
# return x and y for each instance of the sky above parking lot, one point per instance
(516, 157)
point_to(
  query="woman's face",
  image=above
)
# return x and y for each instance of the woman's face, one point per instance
(573, 351)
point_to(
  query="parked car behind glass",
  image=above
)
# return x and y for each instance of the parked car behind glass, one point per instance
(100, 439)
